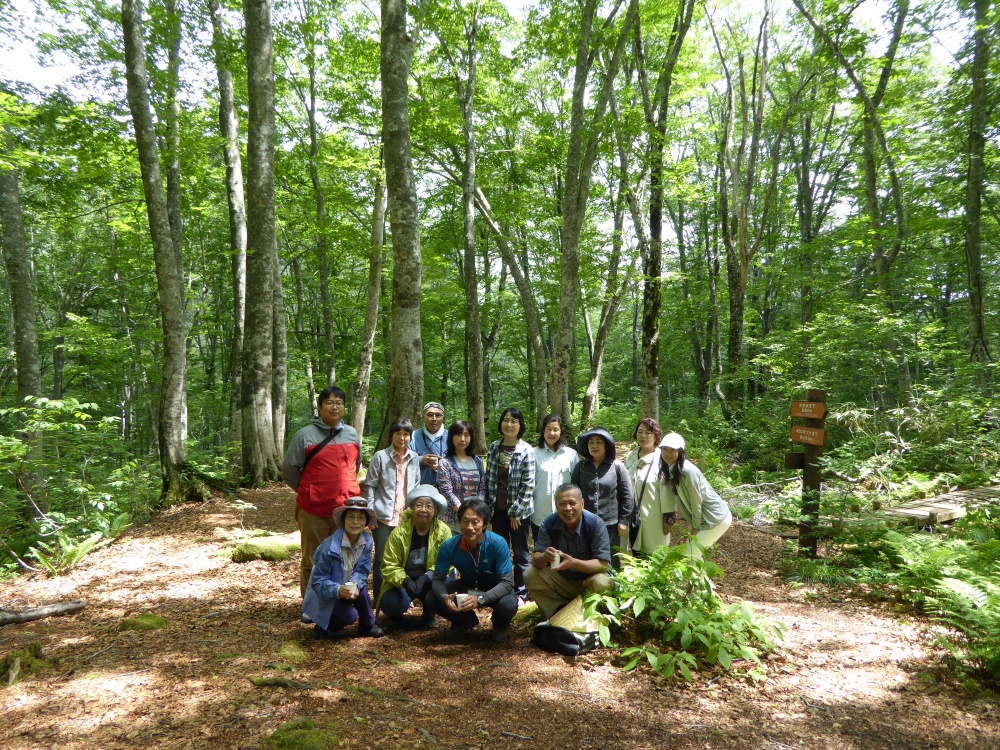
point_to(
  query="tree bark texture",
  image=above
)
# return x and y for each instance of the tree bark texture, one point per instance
(229, 127)
(581, 153)
(406, 381)
(473, 325)
(978, 122)
(362, 382)
(169, 282)
(260, 452)
(656, 123)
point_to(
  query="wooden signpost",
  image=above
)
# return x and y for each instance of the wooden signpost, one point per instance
(813, 437)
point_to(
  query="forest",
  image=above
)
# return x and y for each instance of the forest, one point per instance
(693, 211)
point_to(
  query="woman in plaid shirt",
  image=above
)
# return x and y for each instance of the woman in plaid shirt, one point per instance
(510, 489)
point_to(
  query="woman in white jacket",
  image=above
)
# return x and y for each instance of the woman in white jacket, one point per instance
(554, 462)
(703, 509)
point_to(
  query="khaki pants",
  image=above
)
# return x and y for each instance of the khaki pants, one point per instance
(550, 590)
(313, 530)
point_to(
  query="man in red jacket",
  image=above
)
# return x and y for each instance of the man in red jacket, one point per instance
(322, 465)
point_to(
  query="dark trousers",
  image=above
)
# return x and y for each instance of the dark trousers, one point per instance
(380, 536)
(517, 540)
(395, 602)
(347, 611)
(503, 610)
(615, 542)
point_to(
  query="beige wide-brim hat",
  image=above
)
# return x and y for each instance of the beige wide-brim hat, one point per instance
(354, 503)
(672, 440)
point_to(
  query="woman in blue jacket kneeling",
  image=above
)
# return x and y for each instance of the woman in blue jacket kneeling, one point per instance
(337, 594)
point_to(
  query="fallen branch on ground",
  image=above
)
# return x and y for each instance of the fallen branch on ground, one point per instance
(10, 617)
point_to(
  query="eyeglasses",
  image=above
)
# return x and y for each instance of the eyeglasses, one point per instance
(511, 422)
(434, 415)
(334, 404)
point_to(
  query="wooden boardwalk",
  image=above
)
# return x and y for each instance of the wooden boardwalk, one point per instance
(948, 507)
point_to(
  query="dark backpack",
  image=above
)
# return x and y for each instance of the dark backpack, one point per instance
(558, 640)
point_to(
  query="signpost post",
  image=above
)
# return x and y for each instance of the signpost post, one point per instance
(813, 437)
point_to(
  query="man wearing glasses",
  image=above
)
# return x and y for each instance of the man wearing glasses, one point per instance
(321, 465)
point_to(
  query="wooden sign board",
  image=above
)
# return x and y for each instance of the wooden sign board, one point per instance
(809, 409)
(808, 435)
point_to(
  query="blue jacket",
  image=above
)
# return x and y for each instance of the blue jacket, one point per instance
(494, 575)
(328, 576)
(424, 445)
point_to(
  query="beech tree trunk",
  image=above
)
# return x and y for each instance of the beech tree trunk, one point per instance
(24, 329)
(359, 409)
(260, 452)
(473, 326)
(582, 151)
(406, 382)
(656, 109)
(229, 127)
(978, 122)
(169, 282)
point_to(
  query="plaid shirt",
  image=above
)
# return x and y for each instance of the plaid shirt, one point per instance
(520, 480)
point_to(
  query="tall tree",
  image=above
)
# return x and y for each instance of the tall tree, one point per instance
(260, 451)
(169, 281)
(584, 135)
(466, 90)
(406, 380)
(376, 242)
(656, 108)
(984, 32)
(229, 127)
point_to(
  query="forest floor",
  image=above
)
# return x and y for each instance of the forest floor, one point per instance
(849, 674)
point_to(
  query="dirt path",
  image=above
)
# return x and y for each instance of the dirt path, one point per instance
(848, 675)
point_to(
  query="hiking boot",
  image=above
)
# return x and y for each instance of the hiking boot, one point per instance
(373, 632)
(428, 623)
(501, 634)
(305, 619)
(456, 632)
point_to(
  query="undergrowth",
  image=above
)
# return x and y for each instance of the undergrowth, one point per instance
(667, 614)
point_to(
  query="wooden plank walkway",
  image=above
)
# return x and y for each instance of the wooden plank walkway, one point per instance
(948, 507)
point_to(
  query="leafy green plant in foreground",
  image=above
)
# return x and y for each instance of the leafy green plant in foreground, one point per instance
(667, 611)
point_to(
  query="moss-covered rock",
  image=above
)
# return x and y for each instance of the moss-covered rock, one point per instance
(274, 548)
(292, 651)
(302, 734)
(21, 662)
(145, 621)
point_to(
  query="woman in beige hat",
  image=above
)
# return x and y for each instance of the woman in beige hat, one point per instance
(337, 594)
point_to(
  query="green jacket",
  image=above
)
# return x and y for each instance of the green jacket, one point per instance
(397, 548)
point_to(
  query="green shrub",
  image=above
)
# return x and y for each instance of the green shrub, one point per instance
(667, 612)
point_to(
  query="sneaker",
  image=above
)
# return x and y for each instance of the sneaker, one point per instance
(455, 632)
(501, 634)
(373, 632)
(305, 619)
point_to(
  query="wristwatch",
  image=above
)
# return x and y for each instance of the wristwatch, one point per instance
(481, 601)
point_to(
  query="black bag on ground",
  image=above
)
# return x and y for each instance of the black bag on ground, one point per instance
(558, 640)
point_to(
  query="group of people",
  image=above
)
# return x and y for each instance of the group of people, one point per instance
(432, 522)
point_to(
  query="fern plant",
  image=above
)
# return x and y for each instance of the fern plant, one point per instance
(970, 605)
(66, 553)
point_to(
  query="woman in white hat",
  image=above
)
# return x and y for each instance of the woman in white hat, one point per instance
(703, 509)
(410, 556)
(337, 594)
